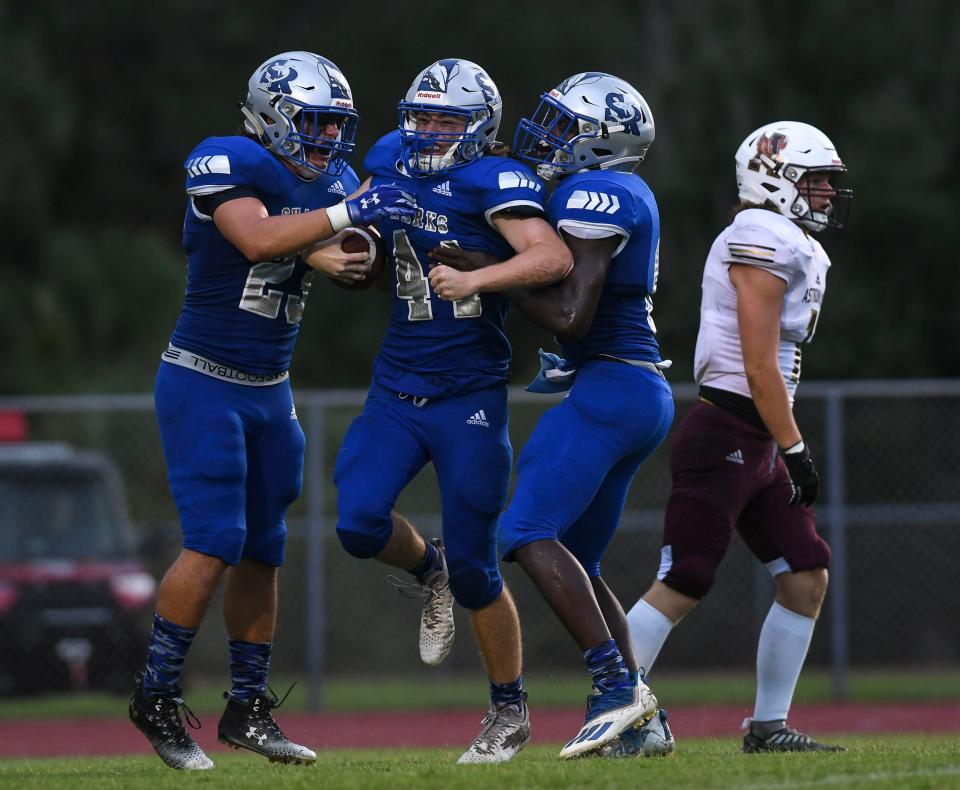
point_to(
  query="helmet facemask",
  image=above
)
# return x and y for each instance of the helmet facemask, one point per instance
(427, 152)
(292, 101)
(299, 130)
(549, 140)
(837, 213)
(590, 121)
(455, 88)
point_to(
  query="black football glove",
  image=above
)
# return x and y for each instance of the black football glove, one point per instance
(804, 479)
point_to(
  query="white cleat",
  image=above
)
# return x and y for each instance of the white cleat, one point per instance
(437, 627)
(506, 730)
(609, 712)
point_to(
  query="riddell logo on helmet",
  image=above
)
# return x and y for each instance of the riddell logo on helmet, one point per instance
(428, 95)
(342, 103)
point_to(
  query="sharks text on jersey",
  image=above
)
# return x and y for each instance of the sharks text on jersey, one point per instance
(428, 220)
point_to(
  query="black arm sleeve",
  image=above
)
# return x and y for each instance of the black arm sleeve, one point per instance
(207, 204)
(519, 212)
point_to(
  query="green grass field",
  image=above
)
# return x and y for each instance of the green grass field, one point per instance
(874, 762)
(545, 690)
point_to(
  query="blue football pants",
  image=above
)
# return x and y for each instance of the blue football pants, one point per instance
(234, 461)
(467, 440)
(577, 466)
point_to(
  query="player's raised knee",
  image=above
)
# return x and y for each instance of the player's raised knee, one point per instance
(363, 524)
(364, 539)
(474, 588)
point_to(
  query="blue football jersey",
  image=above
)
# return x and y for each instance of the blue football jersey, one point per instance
(607, 201)
(246, 315)
(434, 348)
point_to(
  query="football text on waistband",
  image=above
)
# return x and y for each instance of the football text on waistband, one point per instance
(187, 359)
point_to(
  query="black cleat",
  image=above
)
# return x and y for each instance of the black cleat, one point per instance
(159, 719)
(783, 739)
(250, 725)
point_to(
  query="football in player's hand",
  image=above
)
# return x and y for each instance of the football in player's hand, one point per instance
(364, 238)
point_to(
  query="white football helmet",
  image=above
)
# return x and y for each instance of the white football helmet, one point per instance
(290, 99)
(591, 120)
(775, 157)
(453, 87)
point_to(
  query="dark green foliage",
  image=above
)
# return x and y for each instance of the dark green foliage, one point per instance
(104, 100)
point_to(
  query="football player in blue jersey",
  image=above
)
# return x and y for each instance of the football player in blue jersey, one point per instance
(589, 133)
(233, 446)
(439, 382)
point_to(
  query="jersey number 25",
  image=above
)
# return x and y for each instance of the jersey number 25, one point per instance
(261, 300)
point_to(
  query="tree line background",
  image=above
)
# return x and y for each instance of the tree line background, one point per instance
(103, 100)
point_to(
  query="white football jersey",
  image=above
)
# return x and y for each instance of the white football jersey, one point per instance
(763, 238)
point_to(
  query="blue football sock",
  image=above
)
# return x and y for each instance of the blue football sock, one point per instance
(249, 667)
(508, 693)
(606, 667)
(168, 648)
(429, 563)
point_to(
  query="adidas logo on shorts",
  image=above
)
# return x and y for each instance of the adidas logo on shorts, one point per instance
(735, 457)
(479, 419)
(443, 189)
(337, 188)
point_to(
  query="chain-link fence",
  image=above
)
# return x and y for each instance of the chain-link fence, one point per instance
(88, 521)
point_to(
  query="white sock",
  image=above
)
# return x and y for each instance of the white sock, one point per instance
(784, 640)
(649, 629)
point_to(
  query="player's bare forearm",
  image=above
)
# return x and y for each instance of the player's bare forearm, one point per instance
(245, 224)
(541, 256)
(759, 304)
(548, 307)
(567, 308)
(541, 264)
(769, 395)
